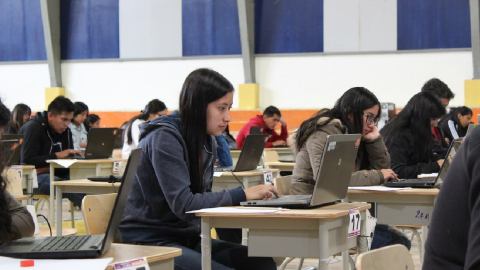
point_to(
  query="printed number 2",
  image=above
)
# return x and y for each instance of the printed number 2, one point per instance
(357, 219)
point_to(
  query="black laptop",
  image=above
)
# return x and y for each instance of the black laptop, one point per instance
(249, 157)
(256, 130)
(430, 182)
(100, 143)
(12, 146)
(333, 176)
(79, 246)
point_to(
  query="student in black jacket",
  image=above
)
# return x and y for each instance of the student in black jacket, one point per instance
(455, 125)
(453, 239)
(47, 136)
(409, 139)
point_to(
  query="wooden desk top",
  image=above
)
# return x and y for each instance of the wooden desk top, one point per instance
(21, 197)
(23, 167)
(278, 163)
(86, 161)
(85, 182)
(326, 212)
(413, 191)
(250, 173)
(123, 252)
(277, 149)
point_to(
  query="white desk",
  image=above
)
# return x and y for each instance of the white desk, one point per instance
(282, 166)
(79, 170)
(312, 233)
(283, 153)
(228, 180)
(79, 186)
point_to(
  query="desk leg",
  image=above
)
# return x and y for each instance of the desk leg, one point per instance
(29, 182)
(422, 248)
(51, 211)
(245, 181)
(324, 246)
(58, 217)
(206, 239)
(245, 236)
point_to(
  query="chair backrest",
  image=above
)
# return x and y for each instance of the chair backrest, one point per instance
(14, 182)
(270, 156)
(97, 210)
(283, 184)
(395, 257)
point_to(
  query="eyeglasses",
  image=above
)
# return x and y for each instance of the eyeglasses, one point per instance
(371, 119)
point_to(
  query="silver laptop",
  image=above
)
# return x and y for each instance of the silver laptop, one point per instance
(333, 176)
(430, 182)
(79, 246)
(249, 156)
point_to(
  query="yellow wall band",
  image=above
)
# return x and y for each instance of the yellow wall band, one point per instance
(51, 93)
(249, 96)
(472, 93)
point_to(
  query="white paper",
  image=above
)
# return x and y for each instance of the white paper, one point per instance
(234, 210)
(377, 188)
(64, 162)
(79, 264)
(217, 174)
(428, 175)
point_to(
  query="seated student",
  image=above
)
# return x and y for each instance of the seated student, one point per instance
(271, 116)
(455, 125)
(155, 108)
(92, 121)
(232, 143)
(20, 115)
(175, 174)
(15, 221)
(409, 139)
(440, 146)
(357, 111)
(47, 136)
(79, 132)
(453, 240)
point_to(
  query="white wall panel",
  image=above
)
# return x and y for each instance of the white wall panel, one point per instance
(341, 25)
(378, 25)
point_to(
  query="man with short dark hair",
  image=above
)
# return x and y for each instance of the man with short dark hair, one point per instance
(47, 136)
(440, 145)
(267, 122)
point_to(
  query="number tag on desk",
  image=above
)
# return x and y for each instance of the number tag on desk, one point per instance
(132, 265)
(116, 167)
(354, 223)
(18, 169)
(267, 178)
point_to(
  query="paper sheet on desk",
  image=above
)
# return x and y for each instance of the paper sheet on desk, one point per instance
(90, 264)
(218, 174)
(378, 188)
(64, 162)
(428, 175)
(233, 210)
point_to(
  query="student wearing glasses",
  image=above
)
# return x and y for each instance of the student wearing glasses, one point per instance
(356, 112)
(408, 136)
(155, 108)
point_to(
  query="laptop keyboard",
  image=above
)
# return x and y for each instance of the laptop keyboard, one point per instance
(62, 243)
(419, 181)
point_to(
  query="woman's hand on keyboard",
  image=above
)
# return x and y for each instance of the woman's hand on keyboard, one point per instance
(260, 192)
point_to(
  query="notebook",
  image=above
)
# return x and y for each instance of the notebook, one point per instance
(100, 143)
(80, 246)
(249, 156)
(333, 176)
(12, 146)
(430, 182)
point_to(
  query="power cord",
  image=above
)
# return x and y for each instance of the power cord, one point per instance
(238, 180)
(48, 223)
(114, 189)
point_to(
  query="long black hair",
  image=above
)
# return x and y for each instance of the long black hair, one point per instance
(16, 118)
(200, 88)
(5, 217)
(91, 118)
(154, 106)
(416, 116)
(353, 102)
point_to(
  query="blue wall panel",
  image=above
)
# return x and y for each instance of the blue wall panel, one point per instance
(89, 29)
(210, 27)
(433, 24)
(21, 31)
(288, 26)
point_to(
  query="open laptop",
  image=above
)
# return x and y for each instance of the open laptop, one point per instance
(333, 176)
(470, 128)
(82, 246)
(12, 146)
(430, 182)
(249, 157)
(255, 130)
(100, 143)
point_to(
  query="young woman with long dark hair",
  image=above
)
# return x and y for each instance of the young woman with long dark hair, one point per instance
(155, 108)
(20, 115)
(92, 121)
(79, 132)
(408, 136)
(175, 174)
(455, 125)
(15, 220)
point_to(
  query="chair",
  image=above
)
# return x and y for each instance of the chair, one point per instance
(415, 233)
(97, 210)
(269, 156)
(283, 184)
(14, 182)
(395, 257)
